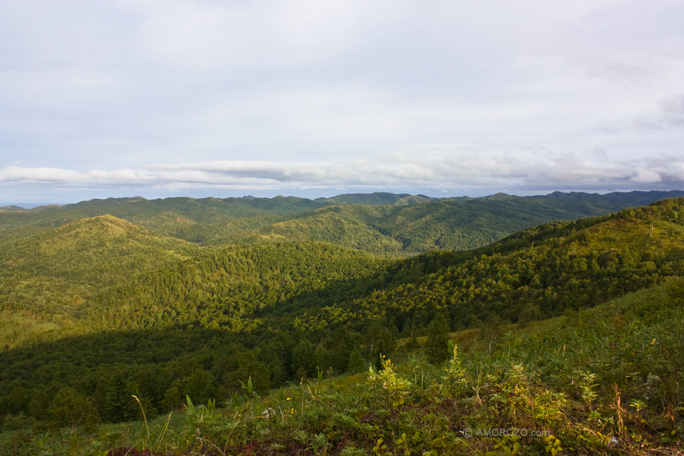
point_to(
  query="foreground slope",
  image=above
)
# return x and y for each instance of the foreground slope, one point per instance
(606, 382)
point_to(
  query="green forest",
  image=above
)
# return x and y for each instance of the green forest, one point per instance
(359, 324)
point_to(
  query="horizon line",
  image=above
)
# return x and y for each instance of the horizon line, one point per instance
(31, 206)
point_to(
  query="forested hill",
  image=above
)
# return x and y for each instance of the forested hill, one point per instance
(103, 272)
(438, 225)
(98, 250)
(540, 272)
(48, 278)
(310, 286)
(384, 223)
(192, 320)
(231, 287)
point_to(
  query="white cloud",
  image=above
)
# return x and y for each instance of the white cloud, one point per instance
(645, 176)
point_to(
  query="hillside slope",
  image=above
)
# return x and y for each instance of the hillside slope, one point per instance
(229, 288)
(50, 276)
(606, 382)
(316, 287)
(107, 273)
(538, 272)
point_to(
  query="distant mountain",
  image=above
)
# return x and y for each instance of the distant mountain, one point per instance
(145, 212)
(378, 198)
(387, 223)
(448, 224)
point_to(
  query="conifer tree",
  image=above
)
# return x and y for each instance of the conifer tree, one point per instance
(356, 361)
(71, 408)
(437, 344)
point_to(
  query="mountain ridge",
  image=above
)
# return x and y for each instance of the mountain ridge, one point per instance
(397, 228)
(375, 198)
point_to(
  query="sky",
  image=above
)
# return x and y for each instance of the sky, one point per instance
(161, 98)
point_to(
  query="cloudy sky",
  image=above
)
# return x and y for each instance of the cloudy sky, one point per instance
(315, 98)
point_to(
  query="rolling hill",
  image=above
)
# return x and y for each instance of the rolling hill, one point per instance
(99, 308)
(395, 224)
(542, 271)
(48, 278)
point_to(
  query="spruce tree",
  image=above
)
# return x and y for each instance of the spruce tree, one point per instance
(437, 344)
(356, 362)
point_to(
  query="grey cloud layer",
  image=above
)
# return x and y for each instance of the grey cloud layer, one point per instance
(529, 172)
